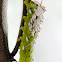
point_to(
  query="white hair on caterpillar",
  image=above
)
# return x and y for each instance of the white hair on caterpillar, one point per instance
(4, 16)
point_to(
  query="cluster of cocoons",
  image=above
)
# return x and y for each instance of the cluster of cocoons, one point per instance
(36, 20)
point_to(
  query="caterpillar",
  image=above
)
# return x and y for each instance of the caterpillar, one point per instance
(31, 27)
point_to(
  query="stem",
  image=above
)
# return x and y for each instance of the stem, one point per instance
(4, 51)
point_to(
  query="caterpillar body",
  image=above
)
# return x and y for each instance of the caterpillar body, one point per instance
(30, 29)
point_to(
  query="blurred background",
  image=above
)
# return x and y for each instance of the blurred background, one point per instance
(48, 47)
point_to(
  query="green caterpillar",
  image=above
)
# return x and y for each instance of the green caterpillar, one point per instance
(26, 48)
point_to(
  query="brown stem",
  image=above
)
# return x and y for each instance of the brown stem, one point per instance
(4, 51)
